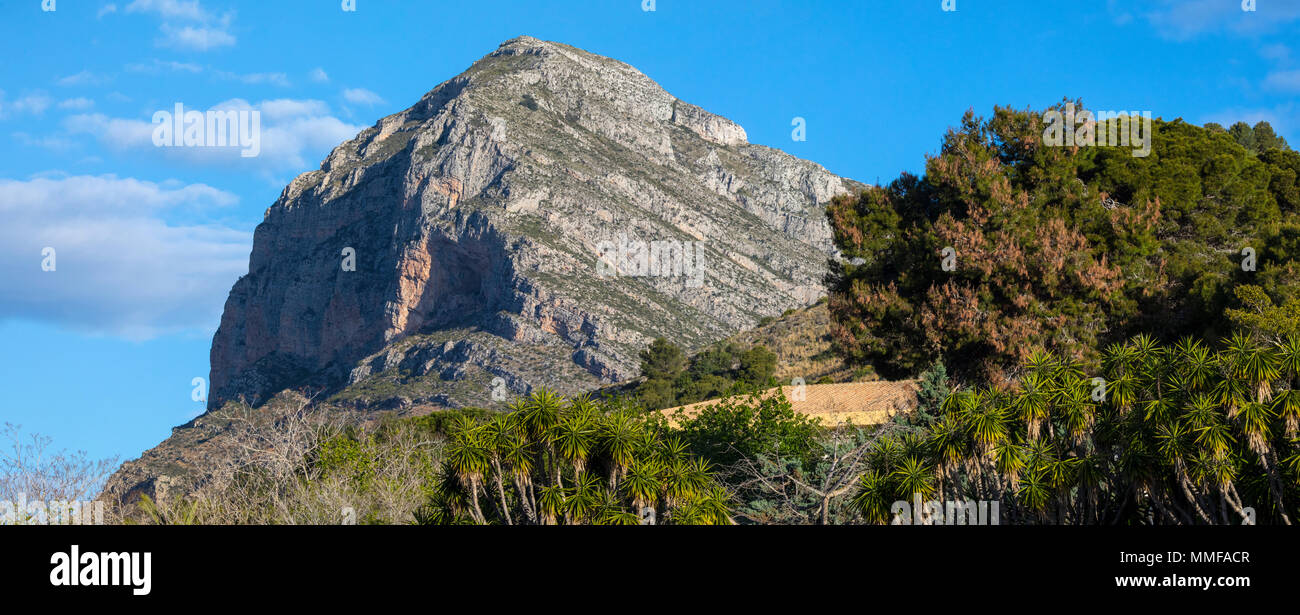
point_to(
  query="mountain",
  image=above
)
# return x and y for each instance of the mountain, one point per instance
(534, 221)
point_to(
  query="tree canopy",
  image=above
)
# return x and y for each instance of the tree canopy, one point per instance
(1006, 244)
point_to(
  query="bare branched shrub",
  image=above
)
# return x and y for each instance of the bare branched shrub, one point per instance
(778, 489)
(29, 466)
(30, 470)
(307, 466)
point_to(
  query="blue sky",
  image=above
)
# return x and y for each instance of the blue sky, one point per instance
(101, 353)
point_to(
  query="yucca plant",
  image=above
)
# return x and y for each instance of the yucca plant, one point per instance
(551, 461)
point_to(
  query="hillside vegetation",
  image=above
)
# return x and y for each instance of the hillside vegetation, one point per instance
(1125, 326)
(1006, 244)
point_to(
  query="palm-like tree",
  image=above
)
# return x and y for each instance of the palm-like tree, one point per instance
(1035, 491)
(1253, 363)
(948, 442)
(1034, 402)
(1196, 362)
(914, 478)
(470, 460)
(619, 440)
(873, 497)
(551, 503)
(517, 455)
(642, 483)
(545, 442)
(1287, 406)
(573, 439)
(1287, 403)
(585, 500)
(1078, 410)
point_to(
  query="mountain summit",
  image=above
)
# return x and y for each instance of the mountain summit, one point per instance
(535, 221)
(476, 221)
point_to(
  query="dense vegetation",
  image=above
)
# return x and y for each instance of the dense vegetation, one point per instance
(1168, 434)
(552, 461)
(1075, 289)
(673, 380)
(1006, 244)
(309, 469)
(1256, 139)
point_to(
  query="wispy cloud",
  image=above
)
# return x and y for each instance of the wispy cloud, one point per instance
(84, 77)
(157, 66)
(77, 104)
(1276, 52)
(292, 132)
(186, 25)
(52, 143)
(1283, 80)
(361, 96)
(278, 79)
(120, 268)
(34, 103)
(171, 9)
(319, 76)
(194, 38)
(1182, 20)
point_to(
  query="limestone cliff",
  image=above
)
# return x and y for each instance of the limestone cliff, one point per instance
(485, 208)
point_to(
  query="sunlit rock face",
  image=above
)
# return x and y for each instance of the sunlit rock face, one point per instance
(475, 222)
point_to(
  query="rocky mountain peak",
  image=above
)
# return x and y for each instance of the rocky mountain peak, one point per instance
(495, 230)
(535, 221)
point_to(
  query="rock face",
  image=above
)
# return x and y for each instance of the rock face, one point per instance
(488, 207)
(497, 228)
(535, 221)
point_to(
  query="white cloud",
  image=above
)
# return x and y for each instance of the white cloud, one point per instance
(290, 141)
(1284, 80)
(158, 66)
(279, 79)
(319, 76)
(201, 29)
(171, 9)
(77, 104)
(106, 9)
(34, 104)
(121, 268)
(361, 96)
(287, 108)
(292, 133)
(84, 77)
(193, 38)
(1182, 20)
(1276, 52)
(55, 144)
(115, 133)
